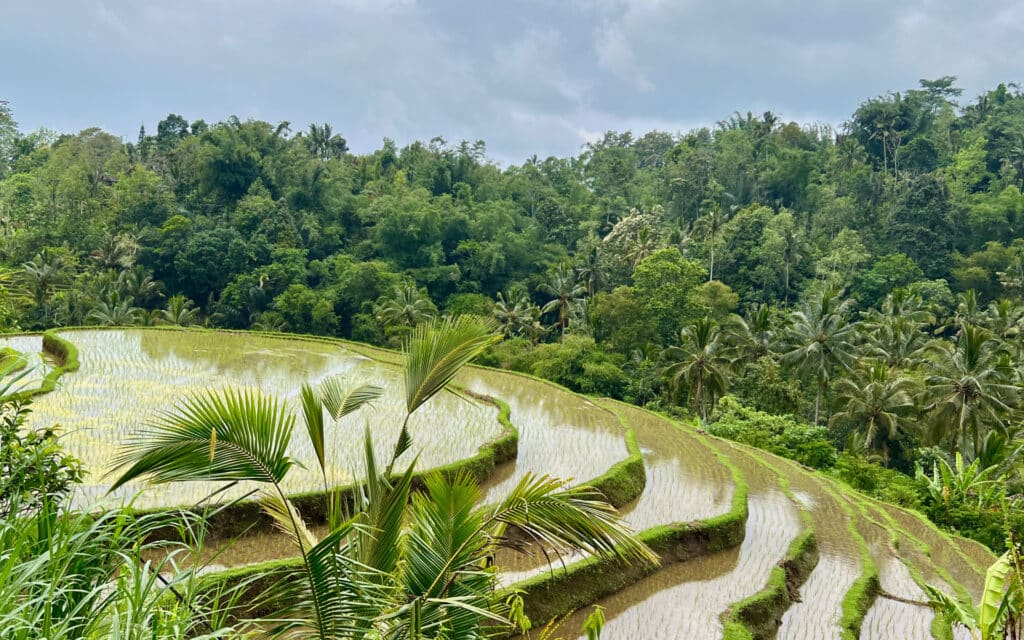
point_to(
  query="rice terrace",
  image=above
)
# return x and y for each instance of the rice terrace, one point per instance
(750, 545)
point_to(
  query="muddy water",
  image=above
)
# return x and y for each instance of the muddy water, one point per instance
(818, 613)
(685, 480)
(685, 600)
(127, 377)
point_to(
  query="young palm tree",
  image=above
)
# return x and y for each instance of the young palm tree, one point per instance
(875, 400)
(179, 311)
(970, 387)
(821, 338)
(699, 364)
(399, 563)
(566, 291)
(406, 307)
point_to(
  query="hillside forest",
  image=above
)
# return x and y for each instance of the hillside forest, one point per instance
(850, 297)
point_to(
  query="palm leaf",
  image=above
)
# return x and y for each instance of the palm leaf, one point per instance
(577, 517)
(313, 418)
(341, 400)
(434, 354)
(231, 435)
(286, 517)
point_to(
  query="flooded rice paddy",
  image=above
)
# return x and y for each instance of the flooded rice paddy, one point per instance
(127, 376)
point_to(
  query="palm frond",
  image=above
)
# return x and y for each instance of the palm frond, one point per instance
(577, 517)
(341, 400)
(313, 418)
(434, 354)
(248, 434)
(437, 350)
(286, 518)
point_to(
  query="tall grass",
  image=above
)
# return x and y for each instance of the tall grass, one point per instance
(79, 575)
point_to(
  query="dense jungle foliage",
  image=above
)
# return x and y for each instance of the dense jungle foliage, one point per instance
(850, 297)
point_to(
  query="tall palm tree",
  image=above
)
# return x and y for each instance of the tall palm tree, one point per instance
(896, 332)
(820, 338)
(710, 226)
(591, 271)
(517, 315)
(566, 291)
(407, 307)
(753, 335)
(876, 401)
(401, 563)
(699, 364)
(971, 388)
(44, 274)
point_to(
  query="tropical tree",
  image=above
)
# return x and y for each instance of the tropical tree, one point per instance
(753, 335)
(400, 563)
(821, 339)
(699, 364)
(517, 315)
(565, 291)
(895, 334)
(876, 401)
(44, 274)
(114, 313)
(179, 311)
(971, 388)
(406, 307)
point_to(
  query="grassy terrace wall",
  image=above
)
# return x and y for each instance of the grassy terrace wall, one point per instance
(65, 358)
(556, 593)
(759, 616)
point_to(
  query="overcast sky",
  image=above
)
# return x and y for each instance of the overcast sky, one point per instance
(527, 77)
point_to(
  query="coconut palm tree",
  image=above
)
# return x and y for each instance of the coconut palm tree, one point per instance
(407, 307)
(44, 274)
(821, 339)
(401, 563)
(179, 311)
(566, 291)
(591, 271)
(699, 364)
(517, 315)
(876, 400)
(754, 335)
(896, 332)
(114, 312)
(971, 388)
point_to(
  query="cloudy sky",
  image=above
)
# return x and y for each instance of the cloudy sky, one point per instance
(527, 77)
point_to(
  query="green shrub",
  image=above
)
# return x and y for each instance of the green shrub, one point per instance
(33, 465)
(782, 435)
(877, 481)
(579, 364)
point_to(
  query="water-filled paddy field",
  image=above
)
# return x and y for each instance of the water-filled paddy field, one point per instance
(723, 517)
